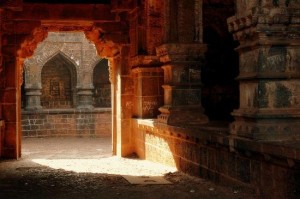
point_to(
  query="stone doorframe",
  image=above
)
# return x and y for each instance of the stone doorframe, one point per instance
(116, 53)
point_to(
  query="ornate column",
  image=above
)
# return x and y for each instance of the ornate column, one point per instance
(182, 84)
(268, 33)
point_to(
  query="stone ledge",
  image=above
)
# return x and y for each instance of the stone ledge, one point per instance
(218, 134)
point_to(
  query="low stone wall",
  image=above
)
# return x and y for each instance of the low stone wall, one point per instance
(272, 170)
(66, 122)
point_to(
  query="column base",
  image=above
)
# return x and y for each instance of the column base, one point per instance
(33, 108)
(182, 116)
(85, 98)
(266, 125)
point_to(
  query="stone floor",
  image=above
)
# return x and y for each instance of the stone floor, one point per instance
(74, 168)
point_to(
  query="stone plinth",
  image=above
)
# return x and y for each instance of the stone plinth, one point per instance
(33, 98)
(182, 83)
(85, 98)
(269, 73)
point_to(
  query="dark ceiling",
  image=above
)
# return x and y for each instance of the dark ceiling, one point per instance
(69, 1)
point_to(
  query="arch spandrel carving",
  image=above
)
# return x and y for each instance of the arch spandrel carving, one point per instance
(33, 43)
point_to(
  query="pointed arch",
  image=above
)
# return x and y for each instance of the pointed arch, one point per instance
(49, 57)
(59, 79)
(101, 82)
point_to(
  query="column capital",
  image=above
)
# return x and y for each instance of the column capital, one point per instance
(144, 61)
(179, 52)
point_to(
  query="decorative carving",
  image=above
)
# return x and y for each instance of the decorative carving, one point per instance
(111, 68)
(30, 44)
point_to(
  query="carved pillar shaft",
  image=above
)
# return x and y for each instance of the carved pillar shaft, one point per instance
(269, 73)
(182, 84)
(33, 97)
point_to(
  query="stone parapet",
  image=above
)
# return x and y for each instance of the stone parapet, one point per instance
(66, 122)
(269, 169)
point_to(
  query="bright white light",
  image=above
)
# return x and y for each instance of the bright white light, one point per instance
(112, 165)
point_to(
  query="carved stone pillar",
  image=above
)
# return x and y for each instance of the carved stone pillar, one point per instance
(85, 97)
(182, 84)
(147, 80)
(269, 76)
(33, 97)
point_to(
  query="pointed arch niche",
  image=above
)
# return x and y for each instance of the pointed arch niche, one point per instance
(58, 83)
(102, 88)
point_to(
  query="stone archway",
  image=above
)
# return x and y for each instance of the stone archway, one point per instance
(114, 51)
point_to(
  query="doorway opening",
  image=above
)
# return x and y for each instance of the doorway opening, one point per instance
(58, 101)
(220, 93)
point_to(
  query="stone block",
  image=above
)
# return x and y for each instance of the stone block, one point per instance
(255, 172)
(10, 135)
(232, 167)
(223, 162)
(9, 112)
(243, 169)
(212, 159)
(9, 96)
(204, 156)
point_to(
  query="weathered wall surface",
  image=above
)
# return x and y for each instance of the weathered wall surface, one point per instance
(268, 169)
(66, 122)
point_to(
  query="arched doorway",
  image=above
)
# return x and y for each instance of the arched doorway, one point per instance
(220, 94)
(220, 91)
(104, 49)
(102, 89)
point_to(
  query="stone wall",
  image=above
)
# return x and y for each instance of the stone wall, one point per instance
(269, 169)
(66, 122)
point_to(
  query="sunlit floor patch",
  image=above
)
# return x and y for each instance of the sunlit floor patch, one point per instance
(112, 165)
